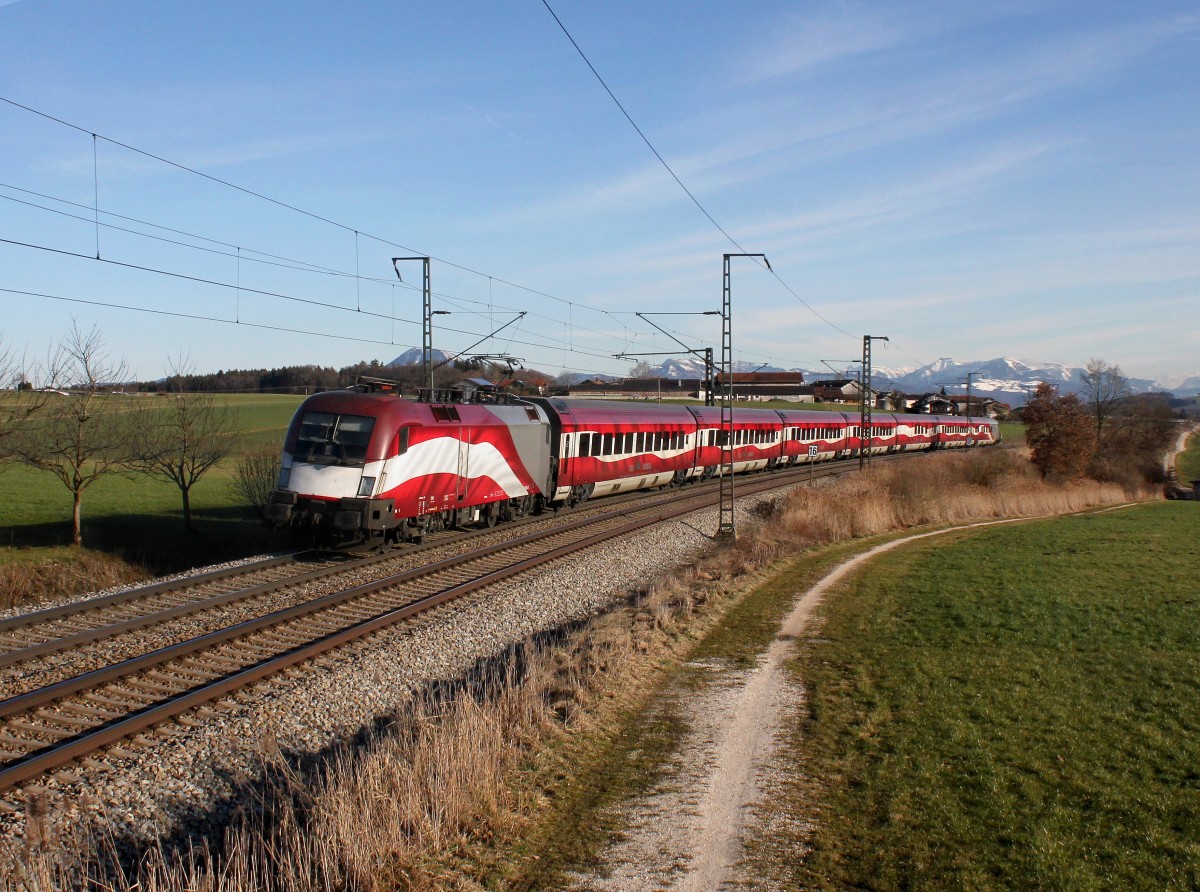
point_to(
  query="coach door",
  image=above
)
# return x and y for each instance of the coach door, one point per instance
(464, 462)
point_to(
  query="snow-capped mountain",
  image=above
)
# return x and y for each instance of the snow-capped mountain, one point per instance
(1005, 379)
(693, 367)
(413, 356)
(1187, 387)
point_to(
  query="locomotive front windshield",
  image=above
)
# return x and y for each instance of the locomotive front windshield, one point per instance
(329, 438)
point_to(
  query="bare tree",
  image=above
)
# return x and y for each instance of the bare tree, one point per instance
(19, 400)
(84, 431)
(1104, 388)
(183, 437)
(640, 369)
(1135, 441)
(1059, 432)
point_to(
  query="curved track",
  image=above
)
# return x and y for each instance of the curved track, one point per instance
(51, 726)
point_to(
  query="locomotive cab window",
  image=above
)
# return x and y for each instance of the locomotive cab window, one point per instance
(327, 438)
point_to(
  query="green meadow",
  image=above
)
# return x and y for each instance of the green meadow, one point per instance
(139, 515)
(1016, 707)
(1187, 463)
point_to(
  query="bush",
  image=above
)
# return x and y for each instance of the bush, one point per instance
(254, 478)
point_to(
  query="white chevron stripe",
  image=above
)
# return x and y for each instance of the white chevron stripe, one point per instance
(441, 456)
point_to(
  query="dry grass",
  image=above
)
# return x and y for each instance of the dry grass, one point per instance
(931, 490)
(24, 583)
(445, 794)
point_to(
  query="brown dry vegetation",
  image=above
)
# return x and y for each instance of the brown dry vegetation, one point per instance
(30, 582)
(466, 790)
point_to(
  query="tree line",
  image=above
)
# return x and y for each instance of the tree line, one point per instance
(299, 379)
(74, 424)
(305, 379)
(1106, 432)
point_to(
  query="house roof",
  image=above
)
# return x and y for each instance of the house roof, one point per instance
(765, 377)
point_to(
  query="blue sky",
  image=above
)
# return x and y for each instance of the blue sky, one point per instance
(971, 180)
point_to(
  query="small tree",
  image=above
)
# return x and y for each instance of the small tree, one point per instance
(83, 432)
(640, 369)
(1104, 389)
(182, 439)
(255, 478)
(1059, 432)
(1136, 439)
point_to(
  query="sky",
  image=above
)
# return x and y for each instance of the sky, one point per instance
(970, 180)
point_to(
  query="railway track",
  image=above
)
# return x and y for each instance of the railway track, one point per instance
(51, 726)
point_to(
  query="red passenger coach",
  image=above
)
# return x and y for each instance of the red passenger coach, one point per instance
(757, 439)
(364, 466)
(814, 436)
(603, 447)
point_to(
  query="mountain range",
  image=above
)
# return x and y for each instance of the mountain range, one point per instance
(1004, 379)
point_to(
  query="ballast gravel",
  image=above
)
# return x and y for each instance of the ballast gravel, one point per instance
(185, 779)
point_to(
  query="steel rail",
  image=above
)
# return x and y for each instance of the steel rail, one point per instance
(151, 618)
(55, 756)
(65, 610)
(101, 632)
(87, 743)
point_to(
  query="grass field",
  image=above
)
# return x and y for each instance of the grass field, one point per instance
(1187, 463)
(1012, 708)
(139, 515)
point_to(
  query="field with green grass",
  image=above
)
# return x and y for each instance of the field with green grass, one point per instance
(1187, 463)
(139, 515)
(1017, 707)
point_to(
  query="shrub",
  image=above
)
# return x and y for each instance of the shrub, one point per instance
(254, 478)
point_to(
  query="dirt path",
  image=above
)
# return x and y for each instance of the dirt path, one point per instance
(688, 834)
(1180, 446)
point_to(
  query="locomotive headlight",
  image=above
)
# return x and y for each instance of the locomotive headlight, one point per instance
(365, 486)
(285, 475)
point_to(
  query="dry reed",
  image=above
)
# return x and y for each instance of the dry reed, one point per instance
(28, 582)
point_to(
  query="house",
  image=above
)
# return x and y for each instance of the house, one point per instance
(980, 406)
(930, 404)
(838, 390)
(788, 386)
(638, 389)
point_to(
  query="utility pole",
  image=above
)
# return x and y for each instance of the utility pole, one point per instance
(727, 524)
(426, 318)
(866, 406)
(969, 376)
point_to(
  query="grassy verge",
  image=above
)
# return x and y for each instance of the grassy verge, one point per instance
(1015, 709)
(1187, 463)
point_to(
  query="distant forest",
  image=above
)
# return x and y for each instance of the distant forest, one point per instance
(301, 379)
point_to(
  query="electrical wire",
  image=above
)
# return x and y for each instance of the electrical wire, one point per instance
(277, 260)
(675, 176)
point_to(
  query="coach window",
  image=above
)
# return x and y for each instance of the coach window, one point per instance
(400, 444)
(583, 443)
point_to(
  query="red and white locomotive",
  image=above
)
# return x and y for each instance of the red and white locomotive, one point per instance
(365, 466)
